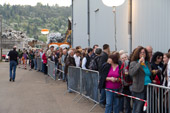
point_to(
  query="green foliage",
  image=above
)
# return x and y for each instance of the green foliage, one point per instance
(42, 38)
(31, 19)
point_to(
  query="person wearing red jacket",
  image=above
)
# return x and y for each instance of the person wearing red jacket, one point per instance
(44, 57)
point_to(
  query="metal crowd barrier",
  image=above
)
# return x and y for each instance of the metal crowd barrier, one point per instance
(158, 98)
(74, 79)
(39, 64)
(90, 83)
(85, 83)
(51, 69)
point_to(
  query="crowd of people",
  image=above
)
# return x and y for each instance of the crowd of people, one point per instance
(117, 71)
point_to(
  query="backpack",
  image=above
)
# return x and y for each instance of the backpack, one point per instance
(94, 63)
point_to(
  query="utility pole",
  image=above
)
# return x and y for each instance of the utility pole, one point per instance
(1, 35)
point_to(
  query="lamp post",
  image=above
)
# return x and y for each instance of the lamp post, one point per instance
(1, 36)
(114, 4)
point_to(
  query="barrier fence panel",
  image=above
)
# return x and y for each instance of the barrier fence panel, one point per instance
(90, 80)
(74, 79)
(158, 98)
(39, 64)
(51, 69)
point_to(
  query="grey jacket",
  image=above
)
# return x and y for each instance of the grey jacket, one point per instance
(138, 76)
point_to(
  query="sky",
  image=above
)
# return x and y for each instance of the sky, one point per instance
(34, 2)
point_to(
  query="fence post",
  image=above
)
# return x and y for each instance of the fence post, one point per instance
(148, 103)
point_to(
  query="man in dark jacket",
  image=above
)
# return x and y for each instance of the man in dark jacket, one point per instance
(70, 61)
(94, 49)
(104, 55)
(13, 57)
(94, 64)
(103, 60)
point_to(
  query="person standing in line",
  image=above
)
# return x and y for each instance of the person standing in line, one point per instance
(150, 52)
(70, 61)
(77, 58)
(63, 62)
(94, 49)
(140, 71)
(103, 60)
(13, 56)
(44, 58)
(86, 60)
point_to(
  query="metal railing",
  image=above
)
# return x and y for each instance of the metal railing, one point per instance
(51, 69)
(84, 82)
(90, 81)
(39, 64)
(158, 98)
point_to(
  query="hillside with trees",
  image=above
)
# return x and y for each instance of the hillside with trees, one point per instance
(31, 19)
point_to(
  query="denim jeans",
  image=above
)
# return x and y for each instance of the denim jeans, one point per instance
(121, 104)
(112, 102)
(35, 64)
(42, 67)
(64, 76)
(103, 96)
(127, 101)
(138, 105)
(60, 73)
(13, 65)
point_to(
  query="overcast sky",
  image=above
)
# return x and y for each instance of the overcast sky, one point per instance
(34, 2)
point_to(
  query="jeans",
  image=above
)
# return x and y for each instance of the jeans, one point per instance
(138, 105)
(56, 67)
(13, 65)
(60, 73)
(42, 67)
(127, 102)
(121, 104)
(112, 102)
(67, 84)
(103, 96)
(35, 64)
(45, 68)
(64, 76)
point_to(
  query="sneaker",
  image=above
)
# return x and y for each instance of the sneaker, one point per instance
(59, 79)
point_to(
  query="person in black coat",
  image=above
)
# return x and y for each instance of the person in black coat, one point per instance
(157, 67)
(103, 60)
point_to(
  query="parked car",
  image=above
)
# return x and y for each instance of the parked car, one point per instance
(6, 57)
(3, 56)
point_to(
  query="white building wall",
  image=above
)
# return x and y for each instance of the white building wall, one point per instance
(151, 24)
(80, 23)
(102, 26)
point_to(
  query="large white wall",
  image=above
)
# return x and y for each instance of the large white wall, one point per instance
(150, 19)
(151, 24)
(80, 23)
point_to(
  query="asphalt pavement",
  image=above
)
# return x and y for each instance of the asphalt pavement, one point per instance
(34, 92)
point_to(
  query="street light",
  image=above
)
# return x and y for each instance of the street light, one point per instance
(1, 36)
(111, 3)
(114, 4)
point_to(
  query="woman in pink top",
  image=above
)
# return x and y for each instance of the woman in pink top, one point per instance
(110, 80)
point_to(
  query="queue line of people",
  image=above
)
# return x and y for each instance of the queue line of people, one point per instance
(117, 71)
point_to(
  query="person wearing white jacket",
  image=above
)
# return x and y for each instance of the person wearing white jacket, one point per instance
(166, 70)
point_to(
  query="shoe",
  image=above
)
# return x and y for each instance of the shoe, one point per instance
(13, 80)
(102, 105)
(59, 79)
(10, 79)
